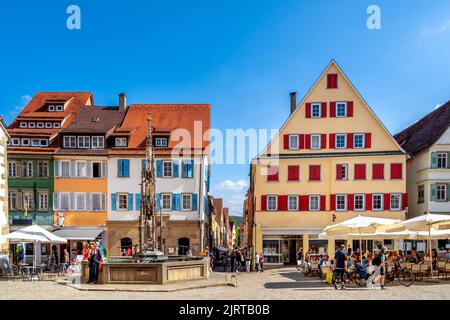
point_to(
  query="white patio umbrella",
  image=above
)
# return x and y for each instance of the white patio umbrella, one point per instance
(429, 222)
(359, 225)
(36, 235)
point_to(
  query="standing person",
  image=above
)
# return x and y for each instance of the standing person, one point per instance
(96, 260)
(349, 250)
(299, 258)
(232, 259)
(238, 261)
(340, 266)
(66, 260)
(91, 263)
(261, 262)
(257, 259)
(128, 252)
(85, 251)
(380, 261)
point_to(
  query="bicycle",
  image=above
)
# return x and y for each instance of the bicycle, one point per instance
(356, 274)
(404, 276)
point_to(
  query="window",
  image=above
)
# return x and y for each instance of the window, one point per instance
(35, 142)
(12, 169)
(40, 125)
(64, 199)
(48, 125)
(123, 168)
(441, 192)
(332, 79)
(341, 109)
(28, 200)
(43, 142)
(15, 142)
(51, 108)
(80, 201)
(188, 168)
(315, 141)
(81, 169)
(341, 202)
(42, 169)
(98, 201)
(31, 125)
(43, 201)
(98, 142)
(65, 168)
(121, 142)
(314, 172)
(59, 107)
(122, 201)
(166, 201)
(25, 142)
(341, 141)
(167, 169)
(316, 110)
(396, 201)
(70, 142)
(186, 202)
(359, 202)
(161, 142)
(358, 141)
(293, 203)
(28, 169)
(378, 171)
(272, 173)
(12, 200)
(420, 194)
(23, 125)
(396, 171)
(293, 141)
(97, 170)
(442, 160)
(360, 171)
(84, 142)
(272, 203)
(377, 202)
(293, 173)
(342, 172)
(314, 203)
(56, 125)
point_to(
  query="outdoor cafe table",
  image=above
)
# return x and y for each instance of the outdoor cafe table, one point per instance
(31, 272)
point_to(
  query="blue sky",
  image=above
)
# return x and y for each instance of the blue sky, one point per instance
(243, 57)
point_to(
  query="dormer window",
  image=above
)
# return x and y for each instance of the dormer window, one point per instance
(84, 142)
(25, 141)
(40, 125)
(48, 125)
(56, 125)
(98, 142)
(51, 108)
(161, 142)
(23, 125)
(121, 142)
(31, 125)
(15, 142)
(70, 142)
(59, 107)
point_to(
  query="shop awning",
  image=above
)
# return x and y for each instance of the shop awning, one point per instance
(79, 233)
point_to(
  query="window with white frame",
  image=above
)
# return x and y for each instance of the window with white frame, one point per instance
(341, 141)
(70, 142)
(42, 170)
(43, 201)
(377, 202)
(56, 125)
(167, 169)
(293, 203)
(186, 201)
(293, 141)
(84, 142)
(65, 168)
(122, 201)
(13, 200)
(12, 169)
(31, 125)
(23, 125)
(442, 160)
(359, 202)
(80, 201)
(161, 142)
(316, 110)
(35, 142)
(43, 142)
(166, 201)
(272, 203)
(97, 201)
(341, 202)
(97, 170)
(25, 141)
(315, 141)
(358, 140)
(121, 142)
(64, 201)
(48, 125)
(441, 192)
(344, 171)
(40, 125)
(314, 203)
(59, 107)
(421, 194)
(28, 200)
(51, 108)
(28, 169)
(98, 142)
(396, 201)
(15, 142)
(341, 109)
(81, 169)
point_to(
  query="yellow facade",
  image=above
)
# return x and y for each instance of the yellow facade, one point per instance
(295, 229)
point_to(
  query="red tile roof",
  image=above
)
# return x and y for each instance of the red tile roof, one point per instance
(166, 118)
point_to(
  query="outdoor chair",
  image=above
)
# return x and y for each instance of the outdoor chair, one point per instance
(441, 268)
(314, 269)
(415, 269)
(409, 265)
(447, 269)
(425, 270)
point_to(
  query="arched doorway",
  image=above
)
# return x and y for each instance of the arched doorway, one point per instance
(183, 246)
(127, 244)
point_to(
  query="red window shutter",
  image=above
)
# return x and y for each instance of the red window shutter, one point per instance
(314, 173)
(307, 141)
(324, 109)
(293, 173)
(282, 203)
(301, 142)
(368, 138)
(339, 172)
(323, 203)
(349, 140)
(286, 141)
(332, 140)
(404, 201)
(350, 202)
(272, 173)
(304, 203)
(323, 141)
(387, 201)
(308, 110)
(332, 81)
(368, 201)
(350, 109)
(332, 202)
(396, 171)
(360, 171)
(378, 171)
(332, 109)
(263, 203)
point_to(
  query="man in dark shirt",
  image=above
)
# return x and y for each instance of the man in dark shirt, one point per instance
(340, 265)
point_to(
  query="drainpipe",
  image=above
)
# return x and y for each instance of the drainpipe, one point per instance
(200, 206)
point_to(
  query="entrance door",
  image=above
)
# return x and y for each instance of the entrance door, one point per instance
(183, 246)
(292, 251)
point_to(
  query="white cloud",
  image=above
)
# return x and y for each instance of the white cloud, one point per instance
(230, 185)
(24, 99)
(430, 31)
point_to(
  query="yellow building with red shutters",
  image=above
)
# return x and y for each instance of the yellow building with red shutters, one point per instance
(331, 160)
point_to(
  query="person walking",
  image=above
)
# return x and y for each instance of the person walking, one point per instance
(66, 260)
(380, 261)
(257, 258)
(261, 262)
(242, 258)
(91, 263)
(238, 261)
(340, 266)
(232, 259)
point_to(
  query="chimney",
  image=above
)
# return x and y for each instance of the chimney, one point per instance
(293, 101)
(122, 100)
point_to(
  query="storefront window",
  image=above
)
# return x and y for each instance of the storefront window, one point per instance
(272, 251)
(318, 246)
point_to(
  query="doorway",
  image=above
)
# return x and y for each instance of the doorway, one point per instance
(183, 246)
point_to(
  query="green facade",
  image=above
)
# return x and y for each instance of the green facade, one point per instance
(19, 185)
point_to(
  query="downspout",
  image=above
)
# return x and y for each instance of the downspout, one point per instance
(201, 204)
